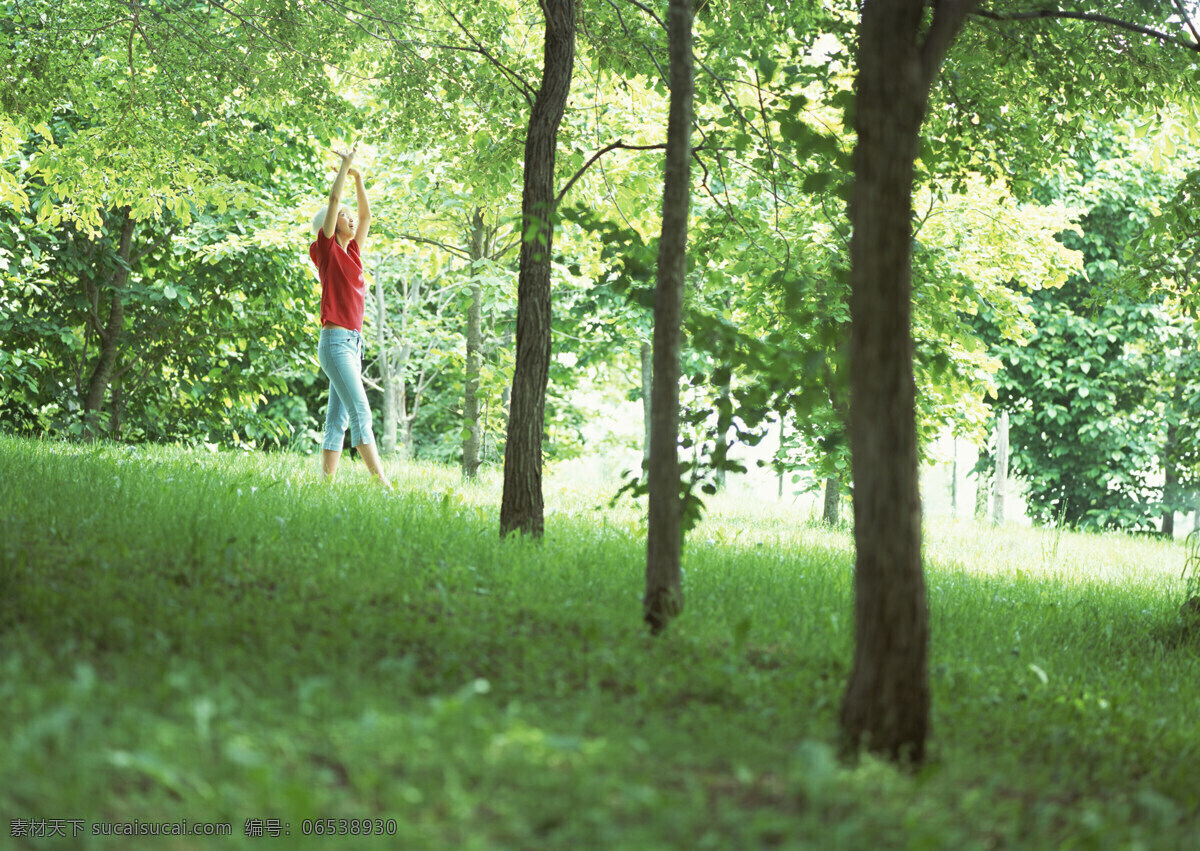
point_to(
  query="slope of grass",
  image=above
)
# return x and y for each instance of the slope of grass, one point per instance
(225, 638)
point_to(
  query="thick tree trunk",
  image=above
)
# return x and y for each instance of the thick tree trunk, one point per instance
(664, 534)
(110, 333)
(647, 355)
(472, 443)
(521, 506)
(886, 706)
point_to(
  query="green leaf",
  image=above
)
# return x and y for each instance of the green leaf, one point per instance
(767, 68)
(816, 182)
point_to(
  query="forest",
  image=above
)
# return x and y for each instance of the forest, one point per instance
(686, 243)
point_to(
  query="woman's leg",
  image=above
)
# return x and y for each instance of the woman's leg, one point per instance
(371, 458)
(337, 417)
(345, 377)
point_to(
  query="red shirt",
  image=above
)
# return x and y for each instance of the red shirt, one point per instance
(342, 284)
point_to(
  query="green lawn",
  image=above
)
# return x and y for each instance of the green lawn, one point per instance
(224, 638)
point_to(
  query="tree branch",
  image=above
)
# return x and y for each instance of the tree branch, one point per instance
(629, 35)
(523, 87)
(166, 237)
(948, 18)
(614, 146)
(341, 10)
(457, 252)
(250, 26)
(1187, 19)
(649, 12)
(1093, 18)
(762, 108)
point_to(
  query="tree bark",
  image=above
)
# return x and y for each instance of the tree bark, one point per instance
(387, 369)
(647, 355)
(1171, 480)
(833, 501)
(110, 333)
(471, 428)
(406, 413)
(664, 534)
(982, 486)
(954, 479)
(721, 441)
(521, 505)
(886, 706)
(781, 455)
(1000, 489)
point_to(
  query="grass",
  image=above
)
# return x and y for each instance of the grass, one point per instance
(224, 638)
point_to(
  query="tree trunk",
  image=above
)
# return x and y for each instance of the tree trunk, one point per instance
(404, 419)
(954, 479)
(408, 436)
(647, 354)
(833, 501)
(1000, 488)
(664, 534)
(886, 706)
(721, 441)
(982, 486)
(387, 370)
(521, 506)
(110, 334)
(391, 411)
(1171, 481)
(781, 456)
(471, 444)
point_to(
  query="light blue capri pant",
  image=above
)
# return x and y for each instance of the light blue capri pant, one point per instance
(340, 354)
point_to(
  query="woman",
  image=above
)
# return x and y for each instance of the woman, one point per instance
(337, 254)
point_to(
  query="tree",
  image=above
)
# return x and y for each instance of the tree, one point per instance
(193, 357)
(472, 435)
(664, 538)
(1105, 372)
(886, 706)
(521, 507)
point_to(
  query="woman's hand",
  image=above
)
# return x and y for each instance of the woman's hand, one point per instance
(356, 174)
(346, 156)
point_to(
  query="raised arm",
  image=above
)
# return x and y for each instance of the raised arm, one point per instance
(329, 228)
(364, 210)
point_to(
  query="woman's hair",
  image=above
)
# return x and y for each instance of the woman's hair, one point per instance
(318, 221)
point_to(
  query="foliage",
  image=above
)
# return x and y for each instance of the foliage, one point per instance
(224, 668)
(210, 121)
(1102, 396)
(1084, 434)
(1067, 73)
(1164, 260)
(214, 316)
